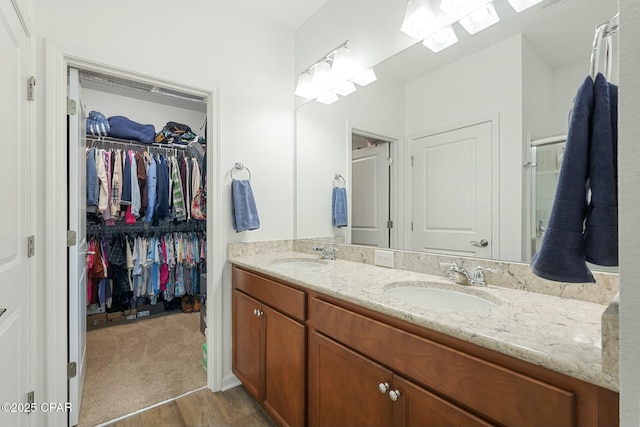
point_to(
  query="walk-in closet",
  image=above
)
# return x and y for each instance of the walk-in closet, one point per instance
(137, 179)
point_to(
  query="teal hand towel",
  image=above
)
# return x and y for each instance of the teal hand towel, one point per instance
(244, 211)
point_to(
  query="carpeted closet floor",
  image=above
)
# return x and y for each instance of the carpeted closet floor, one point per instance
(134, 365)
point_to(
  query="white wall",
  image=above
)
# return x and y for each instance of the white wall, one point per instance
(629, 214)
(451, 95)
(207, 45)
(324, 148)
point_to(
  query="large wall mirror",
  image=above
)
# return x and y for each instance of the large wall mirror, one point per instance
(458, 126)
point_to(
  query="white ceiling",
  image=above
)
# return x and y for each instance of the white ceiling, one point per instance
(289, 14)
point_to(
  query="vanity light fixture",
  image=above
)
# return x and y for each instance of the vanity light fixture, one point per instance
(327, 98)
(322, 77)
(459, 8)
(520, 5)
(330, 75)
(419, 20)
(343, 65)
(365, 77)
(480, 19)
(441, 40)
(345, 88)
(304, 88)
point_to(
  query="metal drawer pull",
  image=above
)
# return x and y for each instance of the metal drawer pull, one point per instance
(394, 395)
(383, 387)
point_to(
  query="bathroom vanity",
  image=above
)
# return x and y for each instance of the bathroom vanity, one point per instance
(325, 343)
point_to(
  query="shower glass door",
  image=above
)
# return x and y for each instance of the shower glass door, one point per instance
(546, 157)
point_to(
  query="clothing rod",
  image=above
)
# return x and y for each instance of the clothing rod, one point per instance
(127, 143)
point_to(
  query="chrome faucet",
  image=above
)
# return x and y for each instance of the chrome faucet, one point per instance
(462, 276)
(328, 253)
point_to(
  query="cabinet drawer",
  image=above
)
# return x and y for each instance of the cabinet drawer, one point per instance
(281, 297)
(505, 396)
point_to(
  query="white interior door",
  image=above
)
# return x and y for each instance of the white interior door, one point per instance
(16, 283)
(452, 192)
(370, 196)
(77, 253)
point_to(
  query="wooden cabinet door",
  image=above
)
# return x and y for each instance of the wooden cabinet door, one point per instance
(248, 353)
(416, 407)
(285, 368)
(344, 387)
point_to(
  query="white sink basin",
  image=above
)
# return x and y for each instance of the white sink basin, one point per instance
(300, 262)
(441, 298)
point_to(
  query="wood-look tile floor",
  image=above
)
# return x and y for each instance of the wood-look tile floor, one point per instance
(231, 408)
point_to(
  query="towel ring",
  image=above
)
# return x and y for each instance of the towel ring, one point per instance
(339, 178)
(240, 167)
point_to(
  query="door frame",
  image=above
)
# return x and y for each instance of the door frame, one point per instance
(494, 119)
(58, 58)
(395, 198)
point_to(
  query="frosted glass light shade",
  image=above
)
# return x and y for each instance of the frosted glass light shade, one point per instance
(459, 8)
(480, 19)
(343, 64)
(365, 77)
(327, 98)
(304, 87)
(322, 77)
(419, 20)
(520, 5)
(441, 40)
(345, 88)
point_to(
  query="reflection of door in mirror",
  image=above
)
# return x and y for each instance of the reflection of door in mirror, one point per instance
(370, 199)
(451, 197)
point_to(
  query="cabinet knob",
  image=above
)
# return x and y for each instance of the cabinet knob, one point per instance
(260, 313)
(383, 387)
(255, 311)
(394, 395)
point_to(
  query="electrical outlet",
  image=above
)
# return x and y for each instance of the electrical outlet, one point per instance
(384, 258)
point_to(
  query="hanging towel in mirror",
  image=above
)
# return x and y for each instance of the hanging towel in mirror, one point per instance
(601, 225)
(561, 256)
(339, 207)
(243, 205)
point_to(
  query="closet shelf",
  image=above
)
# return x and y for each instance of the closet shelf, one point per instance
(107, 140)
(142, 227)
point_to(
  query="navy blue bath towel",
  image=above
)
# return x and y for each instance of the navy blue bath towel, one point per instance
(578, 232)
(601, 226)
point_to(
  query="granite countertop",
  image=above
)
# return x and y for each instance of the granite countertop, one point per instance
(563, 335)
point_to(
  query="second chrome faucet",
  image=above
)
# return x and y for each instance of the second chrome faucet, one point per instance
(462, 276)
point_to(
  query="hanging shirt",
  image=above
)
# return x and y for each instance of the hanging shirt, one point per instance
(116, 187)
(178, 199)
(106, 215)
(125, 198)
(93, 188)
(162, 203)
(135, 189)
(142, 182)
(152, 182)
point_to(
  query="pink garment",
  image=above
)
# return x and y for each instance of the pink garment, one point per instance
(128, 217)
(164, 267)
